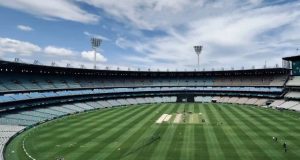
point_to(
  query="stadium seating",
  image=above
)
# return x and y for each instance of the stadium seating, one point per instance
(251, 101)
(288, 104)
(242, 100)
(276, 103)
(261, 102)
(293, 95)
(293, 81)
(6, 132)
(202, 99)
(17, 82)
(296, 108)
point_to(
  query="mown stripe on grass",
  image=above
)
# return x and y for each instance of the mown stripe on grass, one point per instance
(112, 134)
(214, 148)
(257, 133)
(224, 140)
(191, 135)
(187, 150)
(90, 133)
(174, 151)
(19, 150)
(281, 116)
(166, 131)
(72, 119)
(133, 143)
(200, 143)
(250, 139)
(284, 122)
(71, 132)
(73, 122)
(152, 129)
(238, 137)
(275, 128)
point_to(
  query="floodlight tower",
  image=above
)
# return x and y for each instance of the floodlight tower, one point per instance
(198, 50)
(95, 42)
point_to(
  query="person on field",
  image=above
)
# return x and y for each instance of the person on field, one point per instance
(285, 147)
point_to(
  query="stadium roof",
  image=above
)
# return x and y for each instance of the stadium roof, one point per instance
(292, 58)
(34, 68)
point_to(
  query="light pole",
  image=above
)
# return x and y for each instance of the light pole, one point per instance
(95, 42)
(198, 50)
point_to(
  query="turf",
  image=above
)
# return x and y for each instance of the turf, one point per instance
(127, 133)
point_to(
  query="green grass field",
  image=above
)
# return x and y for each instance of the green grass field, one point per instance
(130, 133)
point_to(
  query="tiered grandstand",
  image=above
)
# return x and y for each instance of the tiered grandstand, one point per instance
(32, 94)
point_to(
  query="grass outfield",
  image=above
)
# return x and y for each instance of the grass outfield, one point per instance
(131, 133)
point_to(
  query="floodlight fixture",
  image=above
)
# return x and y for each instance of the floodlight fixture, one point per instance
(95, 42)
(198, 50)
(53, 64)
(82, 66)
(18, 60)
(36, 62)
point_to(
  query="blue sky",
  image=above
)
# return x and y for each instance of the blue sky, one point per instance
(151, 34)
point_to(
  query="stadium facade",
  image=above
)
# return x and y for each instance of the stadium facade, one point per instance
(32, 94)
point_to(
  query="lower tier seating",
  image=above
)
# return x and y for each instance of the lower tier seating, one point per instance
(6, 132)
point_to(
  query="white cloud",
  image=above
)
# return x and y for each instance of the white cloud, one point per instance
(56, 51)
(24, 28)
(147, 14)
(89, 55)
(136, 45)
(95, 35)
(244, 36)
(18, 47)
(10, 48)
(53, 9)
(256, 2)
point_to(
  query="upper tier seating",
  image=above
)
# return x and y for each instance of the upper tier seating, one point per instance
(22, 82)
(294, 81)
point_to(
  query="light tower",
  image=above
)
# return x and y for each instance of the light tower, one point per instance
(95, 42)
(198, 50)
